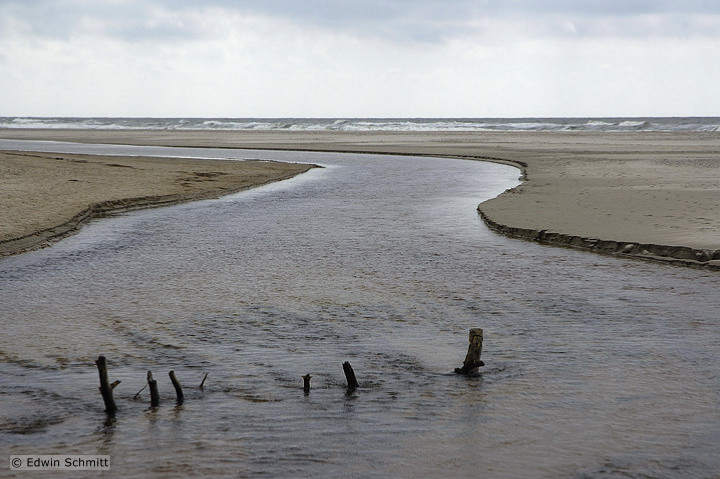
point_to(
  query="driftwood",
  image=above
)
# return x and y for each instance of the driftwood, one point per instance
(306, 383)
(106, 389)
(472, 359)
(350, 376)
(177, 386)
(154, 395)
(202, 383)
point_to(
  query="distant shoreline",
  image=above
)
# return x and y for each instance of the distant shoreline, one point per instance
(652, 195)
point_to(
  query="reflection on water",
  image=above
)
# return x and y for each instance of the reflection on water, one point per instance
(596, 367)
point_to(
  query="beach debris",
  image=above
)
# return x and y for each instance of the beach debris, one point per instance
(141, 390)
(154, 395)
(202, 383)
(306, 383)
(106, 388)
(350, 376)
(472, 359)
(177, 386)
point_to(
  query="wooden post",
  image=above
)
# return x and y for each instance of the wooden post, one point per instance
(106, 389)
(202, 383)
(350, 376)
(306, 383)
(472, 359)
(154, 395)
(177, 386)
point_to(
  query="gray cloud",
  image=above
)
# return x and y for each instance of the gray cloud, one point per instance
(399, 20)
(431, 20)
(375, 9)
(128, 20)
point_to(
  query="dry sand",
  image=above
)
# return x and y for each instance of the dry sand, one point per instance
(651, 195)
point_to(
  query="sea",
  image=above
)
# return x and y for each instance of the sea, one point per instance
(661, 124)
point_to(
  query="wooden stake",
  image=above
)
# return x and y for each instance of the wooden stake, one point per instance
(202, 383)
(350, 376)
(177, 386)
(306, 383)
(154, 395)
(472, 359)
(106, 389)
(138, 393)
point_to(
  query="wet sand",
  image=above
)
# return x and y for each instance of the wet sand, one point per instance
(643, 194)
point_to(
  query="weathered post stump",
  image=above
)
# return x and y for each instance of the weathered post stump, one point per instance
(154, 395)
(472, 359)
(306, 383)
(350, 376)
(177, 386)
(106, 389)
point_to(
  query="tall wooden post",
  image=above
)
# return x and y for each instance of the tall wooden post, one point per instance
(306, 383)
(154, 395)
(106, 389)
(350, 376)
(472, 358)
(177, 386)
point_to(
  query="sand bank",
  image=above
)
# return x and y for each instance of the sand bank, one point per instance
(48, 196)
(652, 195)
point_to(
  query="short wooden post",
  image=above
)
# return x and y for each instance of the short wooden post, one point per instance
(106, 389)
(350, 376)
(472, 359)
(177, 386)
(306, 383)
(154, 395)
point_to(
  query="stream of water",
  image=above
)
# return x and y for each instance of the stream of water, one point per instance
(596, 367)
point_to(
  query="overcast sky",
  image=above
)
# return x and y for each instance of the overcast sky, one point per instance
(359, 58)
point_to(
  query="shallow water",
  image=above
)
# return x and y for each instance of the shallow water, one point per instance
(595, 366)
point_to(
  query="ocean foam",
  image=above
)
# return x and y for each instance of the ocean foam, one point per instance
(700, 124)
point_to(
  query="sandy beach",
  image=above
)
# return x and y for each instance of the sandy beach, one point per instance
(644, 194)
(47, 196)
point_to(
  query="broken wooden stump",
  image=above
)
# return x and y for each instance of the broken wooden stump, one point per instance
(472, 359)
(306, 383)
(154, 395)
(350, 376)
(106, 389)
(177, 386)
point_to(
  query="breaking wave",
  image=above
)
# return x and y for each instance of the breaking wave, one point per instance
(663, 124)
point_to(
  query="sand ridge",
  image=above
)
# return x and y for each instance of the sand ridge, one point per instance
(47, 196)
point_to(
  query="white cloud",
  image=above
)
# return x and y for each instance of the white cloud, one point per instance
(423, 58)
